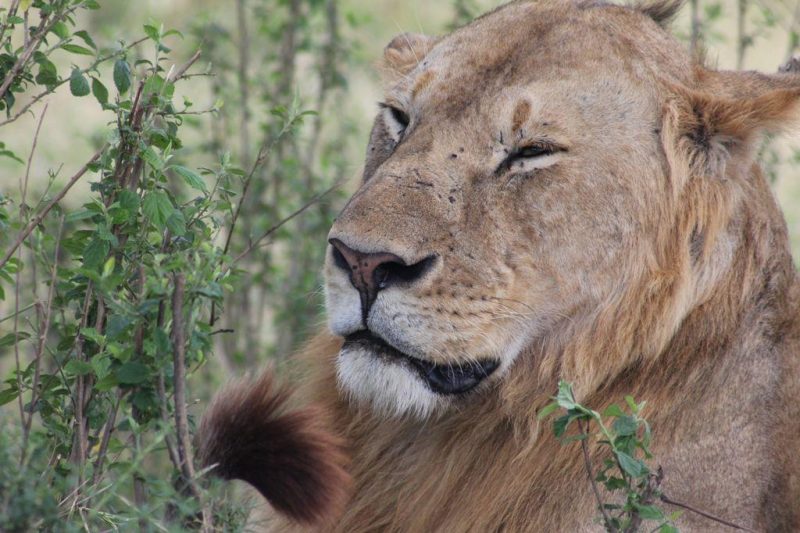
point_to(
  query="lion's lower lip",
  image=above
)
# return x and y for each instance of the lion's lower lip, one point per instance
(442, 379)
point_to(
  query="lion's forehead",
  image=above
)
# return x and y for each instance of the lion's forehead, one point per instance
(553, 44)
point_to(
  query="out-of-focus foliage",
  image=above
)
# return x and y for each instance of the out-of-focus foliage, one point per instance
(187, 243)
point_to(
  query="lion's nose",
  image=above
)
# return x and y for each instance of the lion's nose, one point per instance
(370, 273)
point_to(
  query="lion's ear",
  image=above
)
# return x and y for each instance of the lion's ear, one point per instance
(404, 52)
(727, 117)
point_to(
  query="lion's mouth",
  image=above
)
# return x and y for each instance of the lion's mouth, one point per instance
(442, 379)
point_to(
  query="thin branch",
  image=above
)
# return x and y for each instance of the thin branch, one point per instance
(57, 198)
(15, 313)
(742, 39)
(179, 384)
(108, 430)
(177, 73)
(22, 210)
(791, 46)
(670, 501)
(80, 442)
(280, 224)
(61, 82)
(244, 93)
(44, 27)
(44, 329)
(588, 464)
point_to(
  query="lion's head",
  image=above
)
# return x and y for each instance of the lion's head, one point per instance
(547, 191)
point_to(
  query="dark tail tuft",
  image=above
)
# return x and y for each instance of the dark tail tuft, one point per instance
(293, 461)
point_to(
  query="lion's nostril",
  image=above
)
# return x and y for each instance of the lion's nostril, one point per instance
(402, 273)
(372, 272)
(340, 261)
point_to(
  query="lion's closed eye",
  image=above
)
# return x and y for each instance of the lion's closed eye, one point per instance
(530, 156)
(396, 120)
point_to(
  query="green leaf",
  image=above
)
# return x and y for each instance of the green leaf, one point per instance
(8, 396)
(78, 85)
(10, 339)
(12, 155)
(151, 158)
(668, 528)
(48, 74)
(632, 404)
(77, 49)
(122, 75)
(564, 397)
(649, 512)
(60, 29)
(625, 426)
(95, 253)
(93, 335)
(613, 410)
(176, 223)
(632, 467)
(547, 410)
(152, 32)
(561, 423)
(108, 267)
(85, 37)
(157, 207)
(99, 91)
(132, 373)
(101, 365)
(79, 215)
(193, 180)
(615, 483)
(153, 84)
(78, 368)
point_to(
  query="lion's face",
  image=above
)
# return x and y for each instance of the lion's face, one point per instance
(512, 179)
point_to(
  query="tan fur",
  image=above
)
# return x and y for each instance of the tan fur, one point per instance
(650, 259)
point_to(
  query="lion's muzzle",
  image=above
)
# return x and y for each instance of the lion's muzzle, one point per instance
(440, 378)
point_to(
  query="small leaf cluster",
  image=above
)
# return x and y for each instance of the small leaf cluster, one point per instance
(625, 437)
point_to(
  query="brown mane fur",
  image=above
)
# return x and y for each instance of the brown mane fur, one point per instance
(704, 324)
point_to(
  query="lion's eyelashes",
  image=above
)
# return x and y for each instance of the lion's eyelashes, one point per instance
(398, 115)
(530, 157)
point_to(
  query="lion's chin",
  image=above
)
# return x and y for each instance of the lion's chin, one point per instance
(371, 371)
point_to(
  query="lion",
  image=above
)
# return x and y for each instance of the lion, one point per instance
(556, 191)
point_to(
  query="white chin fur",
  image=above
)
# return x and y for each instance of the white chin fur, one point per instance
(390, 388)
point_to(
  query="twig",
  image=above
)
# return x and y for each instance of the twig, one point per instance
(162, 396)
(111, 420)
(178, 73)
(57, 198)
(792, 45)
(741, 36)
(24, 189)
(588, 464)
(277, 226)
(244, 96)
(179, 384)
(12, 11)
(263, 153)
(61, 82)
(15, 313)
(44, 329)
(670, 501)
(44, 27)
